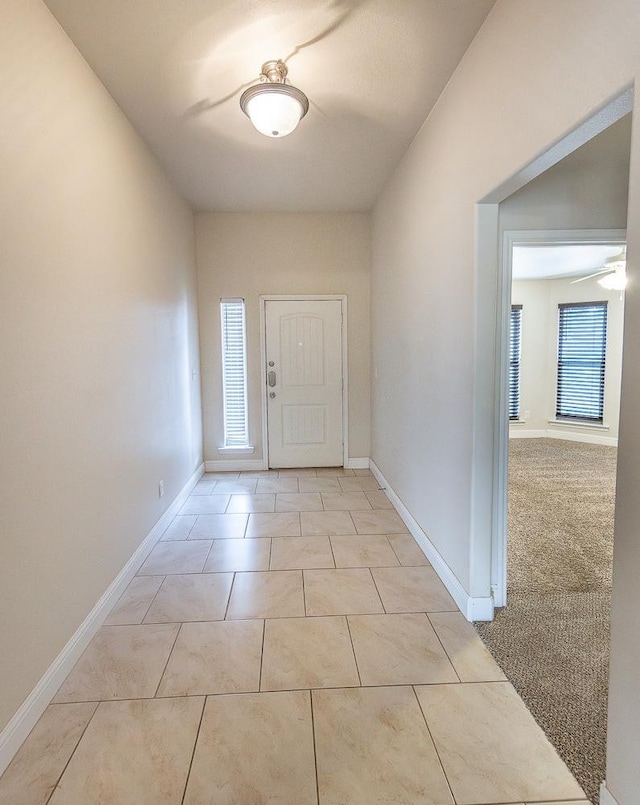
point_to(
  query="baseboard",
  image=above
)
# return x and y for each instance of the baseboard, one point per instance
(474, 609)
(566, 435)
(606, 797)
(226, 465)
(526, 434)
(358, 464)
(19, 727)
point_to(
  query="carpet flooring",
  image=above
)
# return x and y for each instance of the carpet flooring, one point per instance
(552, 639)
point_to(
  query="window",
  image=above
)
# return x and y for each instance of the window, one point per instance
(514, 361)
(234, 372)
(582, 341)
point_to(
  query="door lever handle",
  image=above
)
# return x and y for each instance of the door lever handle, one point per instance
(271, 379)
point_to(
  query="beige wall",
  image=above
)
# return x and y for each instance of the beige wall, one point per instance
(522, 85)
(540, 300)
(98, 340)
(247, 255)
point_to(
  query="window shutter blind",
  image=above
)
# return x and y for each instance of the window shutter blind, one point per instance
(582, 342)
(234, 372)
(515, 328)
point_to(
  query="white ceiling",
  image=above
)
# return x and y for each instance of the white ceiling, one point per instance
(559, 261)
(373, 73)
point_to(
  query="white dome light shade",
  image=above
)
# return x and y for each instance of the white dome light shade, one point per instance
(274, 107)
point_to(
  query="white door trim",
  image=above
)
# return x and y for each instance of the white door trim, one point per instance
(511, 238)
(342, 298)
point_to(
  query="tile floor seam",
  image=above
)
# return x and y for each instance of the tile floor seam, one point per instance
(166, 665)
(315, 751)
(394, 550)
(353, 649)
(152, 600)
(378, 591)
(193, 751)
(264, 633)
(57, 783)
(444, 648)
(233, 581)
(304, 594)
(435, 747)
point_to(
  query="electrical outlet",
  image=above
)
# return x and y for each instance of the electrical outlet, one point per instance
(527, 414)
(160, 488)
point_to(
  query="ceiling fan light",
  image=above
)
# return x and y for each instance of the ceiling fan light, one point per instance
(616, 281)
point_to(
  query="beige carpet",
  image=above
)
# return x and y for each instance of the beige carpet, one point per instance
(552, 640)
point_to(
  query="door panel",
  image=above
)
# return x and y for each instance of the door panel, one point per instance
(304, 390)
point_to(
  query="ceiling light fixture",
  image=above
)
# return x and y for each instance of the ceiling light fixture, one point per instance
(274, 107)
(615, 281)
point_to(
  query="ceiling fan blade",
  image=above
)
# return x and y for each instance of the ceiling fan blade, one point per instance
(596, 274)
(349, 6)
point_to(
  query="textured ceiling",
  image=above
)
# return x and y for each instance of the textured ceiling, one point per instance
(372, 69)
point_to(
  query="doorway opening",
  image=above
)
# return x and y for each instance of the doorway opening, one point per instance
(552, 639)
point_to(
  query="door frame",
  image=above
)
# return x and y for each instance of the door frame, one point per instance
(511, 238)
(342, 298)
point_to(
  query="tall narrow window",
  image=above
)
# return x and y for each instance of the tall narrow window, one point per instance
(515, 326)
(234, 372)
(582, 343)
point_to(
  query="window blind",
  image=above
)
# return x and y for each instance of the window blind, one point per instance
(582, 342)
(234, 372)
(515, 328)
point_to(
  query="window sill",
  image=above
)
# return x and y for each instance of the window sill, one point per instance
(573, 423)
(225, 451)
(517, 421)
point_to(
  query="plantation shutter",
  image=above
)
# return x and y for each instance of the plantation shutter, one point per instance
(234, 372)
(515, 327)
(582, 342)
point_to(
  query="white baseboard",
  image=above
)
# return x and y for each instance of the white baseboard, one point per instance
(242, 465)
(569, 436)
(358, 464)
(606, 797)
(474, 609)
(19, 727)
(258, 464)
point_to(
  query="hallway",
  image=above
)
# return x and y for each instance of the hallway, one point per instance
(286, 641)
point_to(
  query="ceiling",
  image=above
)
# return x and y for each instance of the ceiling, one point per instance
(372, 70)
(553, 261)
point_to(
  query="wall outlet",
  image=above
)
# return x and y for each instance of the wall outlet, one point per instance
(527, 414)
(160, 488)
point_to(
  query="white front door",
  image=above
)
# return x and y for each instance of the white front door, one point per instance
(304, 382)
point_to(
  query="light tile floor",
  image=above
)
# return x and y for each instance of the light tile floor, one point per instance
(286, 641)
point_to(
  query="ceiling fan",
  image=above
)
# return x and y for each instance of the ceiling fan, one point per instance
(612, 275)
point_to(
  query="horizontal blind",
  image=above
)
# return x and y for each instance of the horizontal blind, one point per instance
(515, 328)
(582, 343)
(234, 372)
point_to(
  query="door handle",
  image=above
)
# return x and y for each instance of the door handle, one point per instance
(271, 379)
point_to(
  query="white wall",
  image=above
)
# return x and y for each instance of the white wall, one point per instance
(586, 190)
(538, 362)
(98, 339)
(522, 85)
(247, 255)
